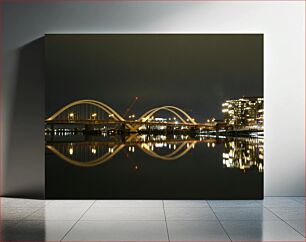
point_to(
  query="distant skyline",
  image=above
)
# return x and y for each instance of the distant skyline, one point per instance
(196, 72)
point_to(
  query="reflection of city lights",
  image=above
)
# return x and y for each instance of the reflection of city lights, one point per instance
(70, 151)
(239, 153)
(231, 153)
(159, 145)
(242, 155)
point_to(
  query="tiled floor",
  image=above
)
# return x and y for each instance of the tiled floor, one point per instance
(274, 219)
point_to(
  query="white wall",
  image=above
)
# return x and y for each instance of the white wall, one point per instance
(283, 26)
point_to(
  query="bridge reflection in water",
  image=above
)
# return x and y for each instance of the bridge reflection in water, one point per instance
(153, 167)
(239, 153)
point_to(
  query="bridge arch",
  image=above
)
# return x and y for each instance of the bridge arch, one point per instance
(98, 104)
(179, 113)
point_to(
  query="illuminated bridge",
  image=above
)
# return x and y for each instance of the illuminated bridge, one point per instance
(91, 113)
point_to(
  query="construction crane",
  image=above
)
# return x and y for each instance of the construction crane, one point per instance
(129, 108)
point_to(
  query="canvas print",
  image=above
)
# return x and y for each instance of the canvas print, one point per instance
(154, 116)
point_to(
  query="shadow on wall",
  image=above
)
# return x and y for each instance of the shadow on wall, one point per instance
(25, 231)
(24, 167)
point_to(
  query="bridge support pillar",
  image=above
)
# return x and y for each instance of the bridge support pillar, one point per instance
(122, 129)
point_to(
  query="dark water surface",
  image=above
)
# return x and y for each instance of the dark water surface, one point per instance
(153, 167)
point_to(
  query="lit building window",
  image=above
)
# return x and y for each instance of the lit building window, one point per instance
(246, 112)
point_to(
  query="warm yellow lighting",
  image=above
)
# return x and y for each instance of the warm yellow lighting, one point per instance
(93, 151)
(70, 151)
(94, 115)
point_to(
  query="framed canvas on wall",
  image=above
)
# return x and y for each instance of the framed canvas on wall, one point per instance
(154, 116)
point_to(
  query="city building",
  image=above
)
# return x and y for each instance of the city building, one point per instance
(246, 112)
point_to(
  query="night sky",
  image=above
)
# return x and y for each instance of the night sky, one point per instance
(194, 72)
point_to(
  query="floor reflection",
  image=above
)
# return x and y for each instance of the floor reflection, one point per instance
(273, 219)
